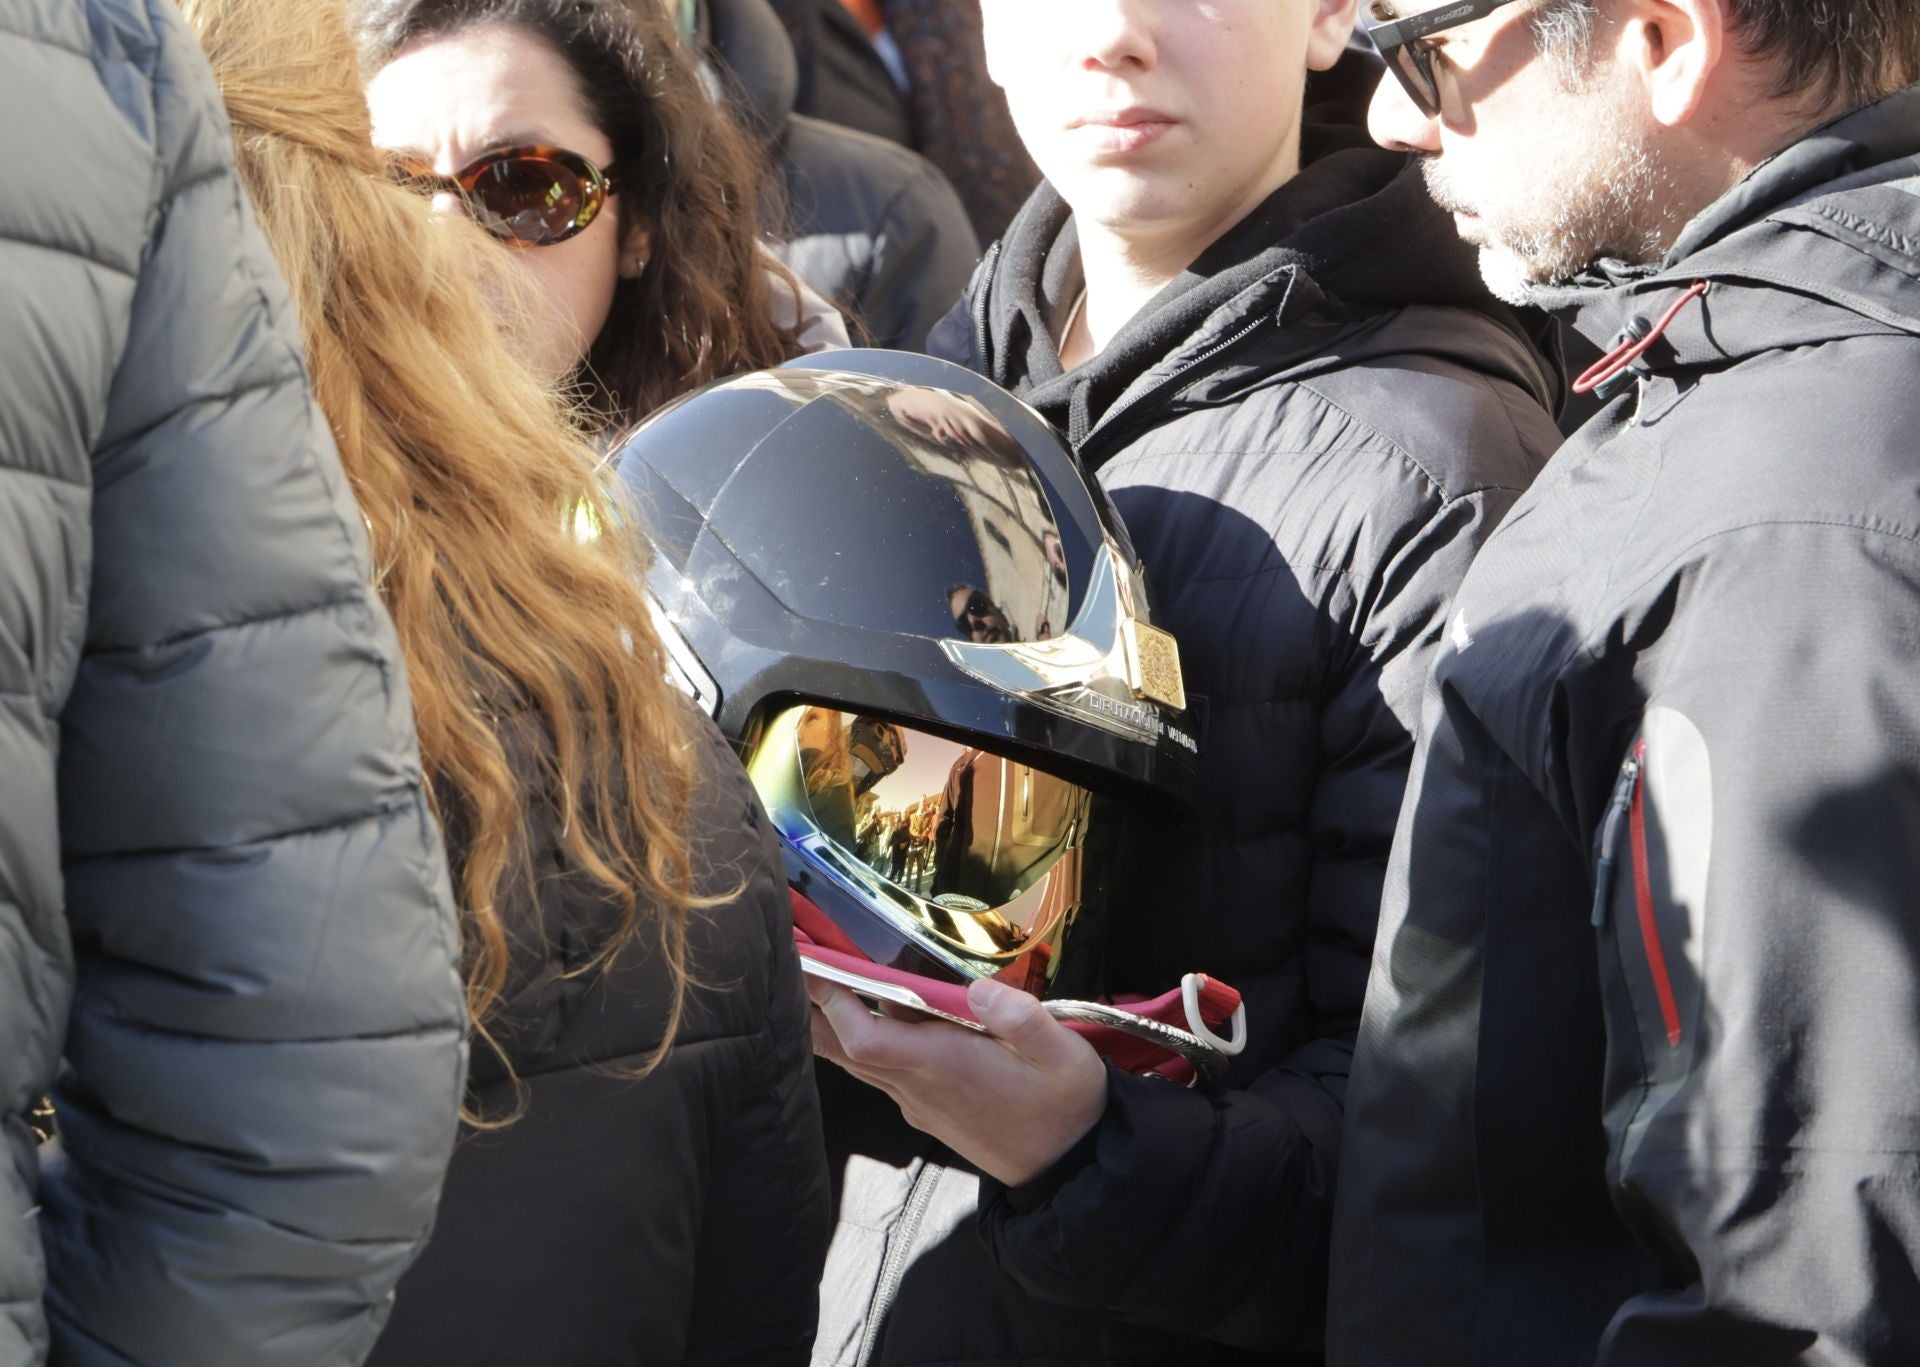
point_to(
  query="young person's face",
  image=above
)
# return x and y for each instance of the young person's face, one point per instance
(449, 99)
(1547, 162)
(1151, 116)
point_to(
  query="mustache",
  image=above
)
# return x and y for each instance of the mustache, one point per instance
(1438, 189)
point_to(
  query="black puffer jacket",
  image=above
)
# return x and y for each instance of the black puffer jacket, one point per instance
(1639, 1081)
(677, 1218)
(871, 225)
(1308, 435)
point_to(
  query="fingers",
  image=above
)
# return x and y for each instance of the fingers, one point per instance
(826, 1044)
(1018, 1020)
(845, 1013)
(866, 1042)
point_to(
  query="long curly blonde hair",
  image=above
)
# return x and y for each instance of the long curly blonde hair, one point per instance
(539, 685)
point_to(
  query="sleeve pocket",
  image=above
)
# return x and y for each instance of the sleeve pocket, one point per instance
(1653, 856)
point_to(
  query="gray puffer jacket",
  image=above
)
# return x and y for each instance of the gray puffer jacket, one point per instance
(222, 897)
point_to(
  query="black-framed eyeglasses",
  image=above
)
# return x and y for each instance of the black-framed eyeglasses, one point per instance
(1402, 42)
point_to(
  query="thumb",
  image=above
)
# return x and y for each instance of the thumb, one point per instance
(1018, 1020)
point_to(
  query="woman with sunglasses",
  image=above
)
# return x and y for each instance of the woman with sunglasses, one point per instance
(644, 1140)
(578, 132)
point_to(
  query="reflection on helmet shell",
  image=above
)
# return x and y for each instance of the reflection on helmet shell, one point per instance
(1008, 577)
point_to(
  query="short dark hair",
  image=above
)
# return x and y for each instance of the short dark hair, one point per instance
(1833, 52)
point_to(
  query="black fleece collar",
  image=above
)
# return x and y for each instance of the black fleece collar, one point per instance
(1353, 233)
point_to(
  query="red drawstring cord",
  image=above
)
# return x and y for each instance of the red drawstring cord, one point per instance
(1629, 351)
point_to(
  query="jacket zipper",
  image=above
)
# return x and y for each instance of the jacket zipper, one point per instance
(1643, 898)
(1617, 808)
(893, 1268)
(980, 302)
(1172, 381)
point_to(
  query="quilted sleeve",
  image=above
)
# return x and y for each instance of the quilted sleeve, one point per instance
(265, 1045)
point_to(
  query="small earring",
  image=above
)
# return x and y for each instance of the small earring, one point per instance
(633, 266)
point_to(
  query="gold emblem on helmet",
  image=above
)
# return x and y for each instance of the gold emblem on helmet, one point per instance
(1153, 666)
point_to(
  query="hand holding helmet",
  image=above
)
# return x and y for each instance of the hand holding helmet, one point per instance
(924, 629)
(1010, 1101)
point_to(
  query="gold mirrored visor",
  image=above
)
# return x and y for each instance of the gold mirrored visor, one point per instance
(974, 856)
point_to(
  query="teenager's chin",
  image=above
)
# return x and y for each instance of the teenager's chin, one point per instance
(1122, 199)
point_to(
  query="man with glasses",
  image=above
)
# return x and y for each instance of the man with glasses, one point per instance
(1638, 1079)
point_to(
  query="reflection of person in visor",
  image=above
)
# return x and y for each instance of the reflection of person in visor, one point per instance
(841, 763)
(899, 848)
(1001, 826)
(876, 748)
(826, 767)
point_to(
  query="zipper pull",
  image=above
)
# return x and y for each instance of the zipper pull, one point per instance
(1617, 808)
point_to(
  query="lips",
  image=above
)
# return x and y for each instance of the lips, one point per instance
(1120, 131)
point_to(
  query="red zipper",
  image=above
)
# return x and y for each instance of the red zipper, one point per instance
(1643, 896)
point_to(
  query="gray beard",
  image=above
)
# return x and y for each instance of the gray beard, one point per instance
(1623, 205)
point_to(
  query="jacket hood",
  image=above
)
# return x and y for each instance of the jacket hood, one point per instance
(1821, 241)
(1353, 235)
(748, 40)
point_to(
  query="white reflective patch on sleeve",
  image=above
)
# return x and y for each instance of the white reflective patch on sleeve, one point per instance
(1679, 779)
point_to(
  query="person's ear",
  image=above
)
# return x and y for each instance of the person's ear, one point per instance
(1333, 22)
(1674, 47)
(636, 251)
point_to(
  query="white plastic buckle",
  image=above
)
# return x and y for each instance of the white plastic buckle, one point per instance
(1197, 1023)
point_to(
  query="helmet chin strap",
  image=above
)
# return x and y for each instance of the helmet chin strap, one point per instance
(1173, 1036)
(1209, 1063)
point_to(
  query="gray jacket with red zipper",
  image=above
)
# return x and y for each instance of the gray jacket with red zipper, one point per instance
(1638, 1079)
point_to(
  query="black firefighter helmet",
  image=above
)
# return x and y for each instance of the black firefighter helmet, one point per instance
(926, 632)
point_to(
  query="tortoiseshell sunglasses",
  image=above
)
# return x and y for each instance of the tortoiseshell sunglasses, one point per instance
(525, 196)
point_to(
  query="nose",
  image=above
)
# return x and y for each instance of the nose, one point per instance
(1115, 35)
(1397, 123)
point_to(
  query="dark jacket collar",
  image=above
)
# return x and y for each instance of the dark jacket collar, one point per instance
(1353, 234)
(1821, 240)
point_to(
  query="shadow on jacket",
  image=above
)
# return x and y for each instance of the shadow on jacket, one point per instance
(1637, 1078)
(872, 226)
(678, 1217)
(1308, 435)
(222, 898)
